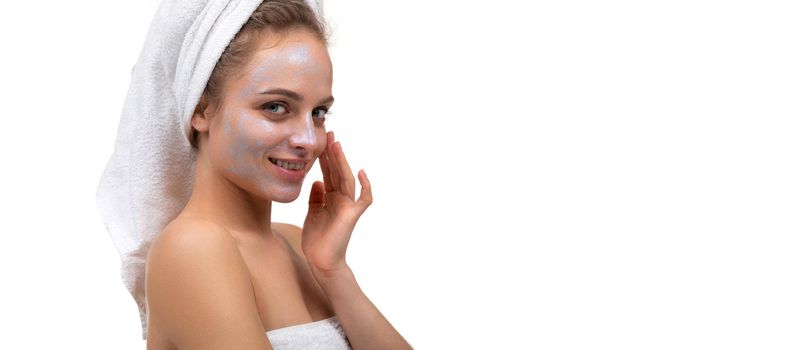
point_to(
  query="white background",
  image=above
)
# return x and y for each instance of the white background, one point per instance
(547, 175)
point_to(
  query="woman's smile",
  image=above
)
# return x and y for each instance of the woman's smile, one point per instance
(289, 164)
(291, 171)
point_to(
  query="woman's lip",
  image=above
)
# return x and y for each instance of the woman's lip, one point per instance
(290, 175)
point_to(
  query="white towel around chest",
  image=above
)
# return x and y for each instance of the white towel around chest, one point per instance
(326, 334)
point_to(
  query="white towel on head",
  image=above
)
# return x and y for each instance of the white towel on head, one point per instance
(149, 177)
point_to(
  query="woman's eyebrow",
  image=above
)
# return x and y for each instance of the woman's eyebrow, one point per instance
(293, 95)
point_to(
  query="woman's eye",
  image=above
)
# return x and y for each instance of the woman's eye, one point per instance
(322, 113)
(274, 107)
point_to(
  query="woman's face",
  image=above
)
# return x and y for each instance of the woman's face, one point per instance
(274, 111)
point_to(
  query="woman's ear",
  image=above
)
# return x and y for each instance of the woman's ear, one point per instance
(201, 116)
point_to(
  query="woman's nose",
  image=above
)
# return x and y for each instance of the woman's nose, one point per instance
(304, 133)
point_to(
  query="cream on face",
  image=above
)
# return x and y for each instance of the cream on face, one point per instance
(255, 126)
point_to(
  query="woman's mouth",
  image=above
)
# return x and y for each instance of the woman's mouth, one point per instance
(293, 166)
(290, 170)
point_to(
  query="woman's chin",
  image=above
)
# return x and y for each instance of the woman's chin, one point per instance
(285, 197)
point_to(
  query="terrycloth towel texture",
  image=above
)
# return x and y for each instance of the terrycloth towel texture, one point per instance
(149, 177)
(326, 334)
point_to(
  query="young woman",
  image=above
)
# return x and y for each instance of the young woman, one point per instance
(221, 275)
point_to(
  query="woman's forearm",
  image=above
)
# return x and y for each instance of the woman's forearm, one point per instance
(363, 323)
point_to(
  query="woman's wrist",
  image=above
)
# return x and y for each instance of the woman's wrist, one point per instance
(337, 282)
(329, 275)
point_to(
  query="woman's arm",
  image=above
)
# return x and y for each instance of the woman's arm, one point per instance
(365, 326)
(332, 214)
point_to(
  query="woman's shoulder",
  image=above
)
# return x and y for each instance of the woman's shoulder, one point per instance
(190, 240)
(189, 235)
(195, 271)
(290, 233)
(192, 224)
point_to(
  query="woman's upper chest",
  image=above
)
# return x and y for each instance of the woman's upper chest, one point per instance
(285, 291)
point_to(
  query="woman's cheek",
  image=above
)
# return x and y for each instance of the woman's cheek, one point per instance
(245, 147)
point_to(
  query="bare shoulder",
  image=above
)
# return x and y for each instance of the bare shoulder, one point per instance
(199, 290)
(291, 233)
(188, 239)
(191, 232)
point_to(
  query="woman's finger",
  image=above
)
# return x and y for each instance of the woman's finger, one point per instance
(366, 191)
(324, 163)
(347, 180)
(332, 160)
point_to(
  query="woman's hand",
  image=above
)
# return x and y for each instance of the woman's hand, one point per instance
(333, 212)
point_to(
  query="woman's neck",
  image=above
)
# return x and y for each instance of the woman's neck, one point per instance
(217, 199)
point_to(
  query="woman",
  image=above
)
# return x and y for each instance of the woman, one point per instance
(221, 275)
